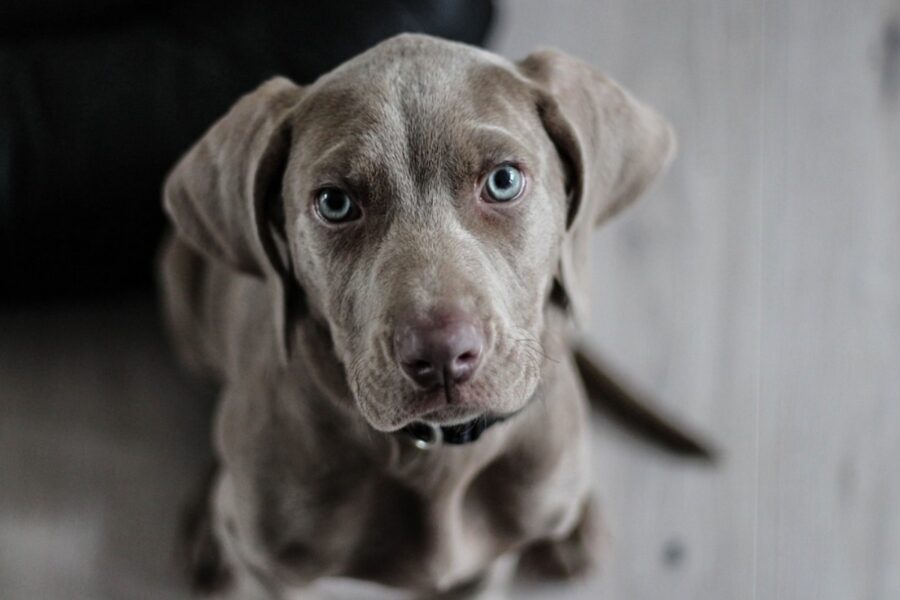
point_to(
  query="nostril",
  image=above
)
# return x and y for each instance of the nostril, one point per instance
(463, 366)
(467, 356)
(420, 366)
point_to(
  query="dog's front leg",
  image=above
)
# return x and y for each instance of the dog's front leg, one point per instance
(214, 563)
(571, 556)
(492, 584)
(211, 569)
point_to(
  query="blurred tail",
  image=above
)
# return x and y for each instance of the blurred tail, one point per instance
(635, 413)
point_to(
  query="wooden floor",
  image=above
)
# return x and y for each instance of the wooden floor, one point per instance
(755, 292)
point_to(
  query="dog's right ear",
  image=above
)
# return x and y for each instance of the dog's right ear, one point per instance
(611, 144)
(218, 195)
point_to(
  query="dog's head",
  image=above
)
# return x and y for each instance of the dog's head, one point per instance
(429, 199)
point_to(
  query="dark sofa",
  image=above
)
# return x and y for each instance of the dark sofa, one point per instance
(99, 98)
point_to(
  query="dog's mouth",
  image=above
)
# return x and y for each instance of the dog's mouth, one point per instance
(449, 405)
(444, 406)
(451, 414)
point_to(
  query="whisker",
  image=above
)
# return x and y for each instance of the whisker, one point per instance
(536, 346)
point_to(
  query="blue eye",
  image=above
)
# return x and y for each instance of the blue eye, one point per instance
(335, 205)
(504, 183)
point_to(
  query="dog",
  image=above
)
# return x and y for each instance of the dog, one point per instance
(380, 270)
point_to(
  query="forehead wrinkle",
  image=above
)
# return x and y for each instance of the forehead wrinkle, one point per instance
(330, 156)
(396, 158)
(423, 124)
(499, 93)
(498, 142)
(365, 155)
(493, 129)
(521, 120)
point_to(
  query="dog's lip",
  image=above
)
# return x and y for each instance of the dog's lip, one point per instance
(432, 406)
(433, 409)
(450, 415)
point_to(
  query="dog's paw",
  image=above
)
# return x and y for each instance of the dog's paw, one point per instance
(206, 570)
(201, 555)
(572, 556)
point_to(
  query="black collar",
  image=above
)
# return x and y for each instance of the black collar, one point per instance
(427, 435)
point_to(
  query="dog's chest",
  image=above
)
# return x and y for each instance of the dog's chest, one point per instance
(409, 533)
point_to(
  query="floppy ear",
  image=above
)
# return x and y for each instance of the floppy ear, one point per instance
(222, 194)
(612, 147)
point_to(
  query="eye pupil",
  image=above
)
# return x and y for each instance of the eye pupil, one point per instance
(335, 202)
(334, 205)
(503, 178)
(504, 183)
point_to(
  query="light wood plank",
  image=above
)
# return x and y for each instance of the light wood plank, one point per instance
(755, 290)
(676, 287)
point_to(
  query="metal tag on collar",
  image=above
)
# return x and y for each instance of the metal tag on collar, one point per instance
(426, 436)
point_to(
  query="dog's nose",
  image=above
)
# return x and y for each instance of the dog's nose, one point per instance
(440, 352)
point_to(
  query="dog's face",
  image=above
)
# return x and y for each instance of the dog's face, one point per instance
(424, 212)
(431, 197)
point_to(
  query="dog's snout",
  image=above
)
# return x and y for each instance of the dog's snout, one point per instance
(438, 352)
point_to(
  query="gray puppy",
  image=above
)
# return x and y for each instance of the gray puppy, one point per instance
(379, 269)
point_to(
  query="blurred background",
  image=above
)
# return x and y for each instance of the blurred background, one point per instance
(754, 292)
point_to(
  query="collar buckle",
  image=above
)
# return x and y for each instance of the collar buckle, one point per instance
(425, 436)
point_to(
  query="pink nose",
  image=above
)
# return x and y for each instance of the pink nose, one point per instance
(440, 352)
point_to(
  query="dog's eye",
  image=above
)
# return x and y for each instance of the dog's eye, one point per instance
(504, 184)
(335, 205)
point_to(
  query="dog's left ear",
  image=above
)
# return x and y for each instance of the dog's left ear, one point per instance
(224, 195)
(612, 147)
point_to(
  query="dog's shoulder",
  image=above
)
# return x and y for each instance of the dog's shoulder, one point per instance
(215, 316)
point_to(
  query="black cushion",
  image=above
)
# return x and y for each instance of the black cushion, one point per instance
(96, 105)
